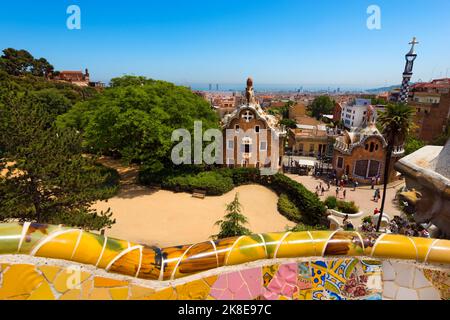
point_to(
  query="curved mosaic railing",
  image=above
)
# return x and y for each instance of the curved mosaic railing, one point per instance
(124, 257)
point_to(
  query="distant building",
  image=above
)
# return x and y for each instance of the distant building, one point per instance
(309, 140)
(337, 112)
(75, 77)
(355, 114)
(361, 153)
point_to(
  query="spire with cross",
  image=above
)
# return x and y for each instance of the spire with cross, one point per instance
(407, 74)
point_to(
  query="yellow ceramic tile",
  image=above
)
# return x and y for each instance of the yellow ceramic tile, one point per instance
(112, 249)
(422, 245)
(320, 241)
(194, 290)
(73, 294)
(246, 249)
(69, 279)
(100, 294)
(394, 246)
(86, 288)
(60, 247)
(20, 279)
(89, 248)
(296, 244)
(43, 292)
(119, 293)
(165, 294)
(439, 253)
(210, 280)
(107, 282)
(138, 292)
(19, 297)
(49, 272)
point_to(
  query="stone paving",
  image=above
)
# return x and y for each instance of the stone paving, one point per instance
(363, 196)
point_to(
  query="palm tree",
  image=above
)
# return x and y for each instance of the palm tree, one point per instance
(232, 224)
(396, 122)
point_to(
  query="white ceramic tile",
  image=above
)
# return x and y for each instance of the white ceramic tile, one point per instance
(429, 294)
(388, 271)
(406, 294)
(389, 289)
(419, 280)
(405, 275)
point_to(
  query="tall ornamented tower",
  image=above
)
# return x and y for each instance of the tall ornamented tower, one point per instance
(407, 74)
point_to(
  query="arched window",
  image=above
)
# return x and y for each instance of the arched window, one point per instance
(372, 147)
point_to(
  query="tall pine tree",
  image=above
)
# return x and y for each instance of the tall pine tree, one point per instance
(43, 175)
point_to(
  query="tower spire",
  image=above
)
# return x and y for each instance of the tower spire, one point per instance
(407, 74)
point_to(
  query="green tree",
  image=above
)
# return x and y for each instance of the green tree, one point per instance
(232, 224)
(289, 123)
(396, 121)
(16, 62)
(320, 106)
(41, 67)
(413, 144)
(45, 176)
(135, 119)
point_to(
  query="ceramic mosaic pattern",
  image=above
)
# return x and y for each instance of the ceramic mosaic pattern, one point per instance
(350, 267)
(403, 281)
(127, 258)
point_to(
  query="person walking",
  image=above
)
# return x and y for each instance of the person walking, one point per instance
(355, 185)
(372, 183)
(337, 192)
(328, 185)
(344, 193)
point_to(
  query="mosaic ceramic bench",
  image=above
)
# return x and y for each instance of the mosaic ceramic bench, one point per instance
(39, 261)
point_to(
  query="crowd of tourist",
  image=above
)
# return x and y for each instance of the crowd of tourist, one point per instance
(398, 225)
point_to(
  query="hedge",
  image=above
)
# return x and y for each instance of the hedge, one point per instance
(288, 209)
(210, 181)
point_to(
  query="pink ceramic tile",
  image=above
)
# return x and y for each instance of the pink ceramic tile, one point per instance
(243, 294)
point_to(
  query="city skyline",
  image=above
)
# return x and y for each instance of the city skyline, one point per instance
(287, 43)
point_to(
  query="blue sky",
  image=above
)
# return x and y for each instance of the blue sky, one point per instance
(315, 43)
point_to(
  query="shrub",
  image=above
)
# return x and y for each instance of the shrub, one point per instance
(341, 206)
(312, 209)
(288, 209)
(331, 202)
(347, 207)
(212, 182)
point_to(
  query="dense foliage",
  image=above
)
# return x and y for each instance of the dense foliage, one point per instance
(413, 144)
(210, 181)
(45, 176)
(320, 106)
(288, 209)
(135, 118)
(232, 224)
(21, 62)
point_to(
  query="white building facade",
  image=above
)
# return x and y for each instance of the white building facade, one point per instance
(355, 114)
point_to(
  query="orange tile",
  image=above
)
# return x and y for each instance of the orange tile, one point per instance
(107, 282)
